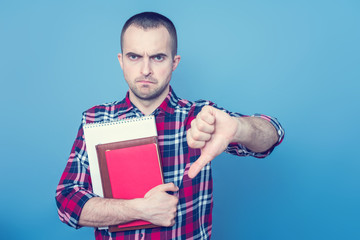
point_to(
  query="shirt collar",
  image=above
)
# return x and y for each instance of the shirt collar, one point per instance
(167, 106)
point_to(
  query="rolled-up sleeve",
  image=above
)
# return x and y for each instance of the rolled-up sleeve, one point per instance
(74, 188)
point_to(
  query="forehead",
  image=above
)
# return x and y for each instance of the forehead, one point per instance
(152, 40)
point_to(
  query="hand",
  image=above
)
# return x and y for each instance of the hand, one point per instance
(212, 130)
(161, 207)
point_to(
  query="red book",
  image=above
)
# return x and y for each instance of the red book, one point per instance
(129, 169)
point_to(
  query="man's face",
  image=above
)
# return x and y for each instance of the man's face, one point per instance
(147, 62)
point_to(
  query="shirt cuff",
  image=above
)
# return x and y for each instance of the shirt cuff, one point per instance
(73, 207)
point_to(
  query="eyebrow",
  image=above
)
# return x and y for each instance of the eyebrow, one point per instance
(158, 55)
(131, 54)
(154, 55)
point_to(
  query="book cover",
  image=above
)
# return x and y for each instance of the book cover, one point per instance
(129, 169)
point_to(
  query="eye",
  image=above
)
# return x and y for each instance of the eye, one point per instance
(159, 58)
(133, 57)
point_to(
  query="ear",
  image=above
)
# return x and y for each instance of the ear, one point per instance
(176, 62)
(120, 60)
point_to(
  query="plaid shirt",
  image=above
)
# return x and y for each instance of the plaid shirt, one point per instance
(173, 118)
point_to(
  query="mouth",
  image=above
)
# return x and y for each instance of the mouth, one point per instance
(145, 81)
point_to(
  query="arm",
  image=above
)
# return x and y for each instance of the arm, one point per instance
(257, 134)
(213, 130)
(157, 207)
(78, 206)
(100, 212)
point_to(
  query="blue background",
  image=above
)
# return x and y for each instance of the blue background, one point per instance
(295, 60)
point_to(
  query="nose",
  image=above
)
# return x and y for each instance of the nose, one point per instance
(146, 67)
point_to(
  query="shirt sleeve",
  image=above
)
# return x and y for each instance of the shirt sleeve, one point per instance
(241, 150)
(74, 188)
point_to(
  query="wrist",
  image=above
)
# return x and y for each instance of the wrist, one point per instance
(129, 210)
(241, 133)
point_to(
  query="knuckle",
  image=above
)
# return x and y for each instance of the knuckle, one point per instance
(212, 128)
(193, 123)
(207, 137)
(169, 222)
(196, 135)
(175, 201)
(190, 142)
(206, 107)
(188, 135)
(201, 125)
(200, 144)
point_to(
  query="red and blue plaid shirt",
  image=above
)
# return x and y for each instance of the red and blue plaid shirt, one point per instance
(173, 118)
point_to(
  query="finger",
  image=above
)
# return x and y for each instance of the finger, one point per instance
(167, 187)
(202, 126)
(192, 142)
(197, 135)
(196, 144)
(207, 114)
(196, 167)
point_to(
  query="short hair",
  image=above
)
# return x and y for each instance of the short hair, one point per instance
(148, 20)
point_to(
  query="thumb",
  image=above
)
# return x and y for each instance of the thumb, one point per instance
(196, 167)
(168, 187)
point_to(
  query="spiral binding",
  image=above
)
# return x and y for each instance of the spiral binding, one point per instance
(116, 122)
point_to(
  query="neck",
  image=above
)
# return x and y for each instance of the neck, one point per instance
(148, 106)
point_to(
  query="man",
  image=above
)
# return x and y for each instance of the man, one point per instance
(191, 134)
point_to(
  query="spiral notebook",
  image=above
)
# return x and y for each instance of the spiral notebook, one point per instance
(123, 155)
(114, 131)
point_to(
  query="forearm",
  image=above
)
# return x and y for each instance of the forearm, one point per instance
(157, 207)
(257, 134)
(100, 212)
